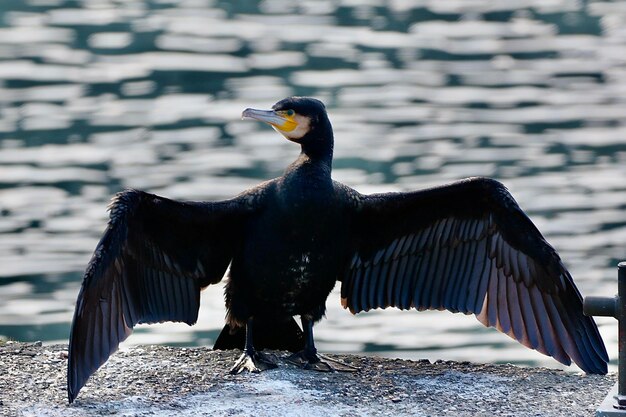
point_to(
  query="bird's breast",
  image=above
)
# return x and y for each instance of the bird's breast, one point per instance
(291, 259)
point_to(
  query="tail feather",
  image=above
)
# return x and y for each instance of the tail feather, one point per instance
(267, 334)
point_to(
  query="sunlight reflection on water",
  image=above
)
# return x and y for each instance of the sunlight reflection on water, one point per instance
(98, 97)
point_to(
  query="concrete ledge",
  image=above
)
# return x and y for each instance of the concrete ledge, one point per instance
(163, 381)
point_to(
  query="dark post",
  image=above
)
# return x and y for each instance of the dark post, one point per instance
(614, 307)
(621, 337)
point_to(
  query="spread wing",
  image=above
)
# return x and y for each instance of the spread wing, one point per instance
(150, 265)
(468, 247)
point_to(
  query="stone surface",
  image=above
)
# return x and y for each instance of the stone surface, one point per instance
(163, 381)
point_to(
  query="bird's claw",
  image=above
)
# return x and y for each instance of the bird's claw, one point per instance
(253, 362)
(320, 363)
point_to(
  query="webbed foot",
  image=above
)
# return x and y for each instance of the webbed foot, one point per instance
(254, 362)
(320, 363)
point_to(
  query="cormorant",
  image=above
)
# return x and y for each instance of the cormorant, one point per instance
(465, 247)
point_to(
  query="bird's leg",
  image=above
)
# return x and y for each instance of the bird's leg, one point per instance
(251, 360)
(308, 358)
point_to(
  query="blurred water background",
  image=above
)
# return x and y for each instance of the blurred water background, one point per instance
(98, 95)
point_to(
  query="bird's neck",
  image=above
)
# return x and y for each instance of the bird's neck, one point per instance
(308, 178)
(315, 170)
(314, 163)
(309, 182)
(322, 160)
(317, 148)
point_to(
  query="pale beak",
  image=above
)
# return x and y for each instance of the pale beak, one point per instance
(267, 116)
(271, 117)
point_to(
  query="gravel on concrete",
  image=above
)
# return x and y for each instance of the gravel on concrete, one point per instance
(164, 381)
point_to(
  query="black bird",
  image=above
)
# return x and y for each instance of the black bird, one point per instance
(465, 247)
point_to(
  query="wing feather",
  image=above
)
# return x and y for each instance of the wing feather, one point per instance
(429, 263)
(392, 287)
(535, 340)
(518, 326)
(468, 247)
(405, 297)
(378, 297)
(504, 320)
(456, 283)
(153, 259)
(492, 298)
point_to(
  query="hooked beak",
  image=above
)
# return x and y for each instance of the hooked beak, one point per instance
(281, 122)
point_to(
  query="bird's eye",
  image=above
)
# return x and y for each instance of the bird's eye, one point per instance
(290, 113)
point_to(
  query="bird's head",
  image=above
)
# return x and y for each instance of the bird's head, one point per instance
(299, 119)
